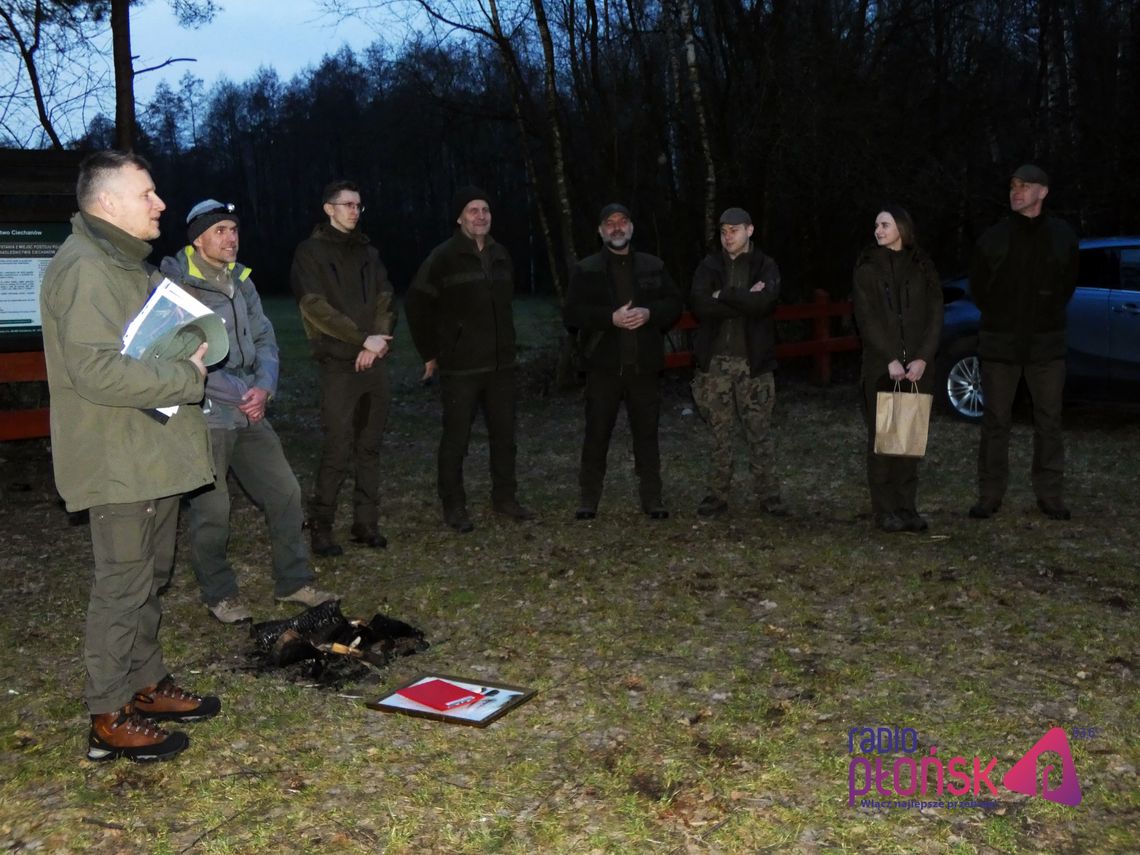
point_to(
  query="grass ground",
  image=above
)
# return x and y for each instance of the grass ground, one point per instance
(697, 680)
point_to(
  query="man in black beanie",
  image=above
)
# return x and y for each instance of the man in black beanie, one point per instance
(238, 391)
(1023, 273)
(459, 314)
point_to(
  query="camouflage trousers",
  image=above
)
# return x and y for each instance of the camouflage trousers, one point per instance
(724, 395)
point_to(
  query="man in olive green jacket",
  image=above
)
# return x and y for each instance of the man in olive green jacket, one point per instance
(113, 456)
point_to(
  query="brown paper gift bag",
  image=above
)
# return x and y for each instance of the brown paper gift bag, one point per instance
(902, 421)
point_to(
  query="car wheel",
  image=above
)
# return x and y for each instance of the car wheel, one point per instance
(960, 381)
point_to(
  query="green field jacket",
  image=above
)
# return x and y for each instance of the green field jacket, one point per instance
(106, 449)
(343, 292)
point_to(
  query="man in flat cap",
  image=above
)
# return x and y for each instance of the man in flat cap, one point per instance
(238, 391)
(734, 295)
(621, 303)
(349, 313)
(1023, 272)
(461, 320)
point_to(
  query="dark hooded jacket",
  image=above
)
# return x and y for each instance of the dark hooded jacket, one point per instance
(343, 292)
(591, 300)
(1023, 273)
(898, 307)
(737, 303)
(459, 306)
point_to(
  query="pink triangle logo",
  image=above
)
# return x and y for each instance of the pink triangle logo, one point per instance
(1022, 778)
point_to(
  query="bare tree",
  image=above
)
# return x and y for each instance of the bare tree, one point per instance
(42, 40)
(809, 112)
(57, 50)
(190, 13)
(124, 74)
(554, 129)
(486, 21)
(191, 90)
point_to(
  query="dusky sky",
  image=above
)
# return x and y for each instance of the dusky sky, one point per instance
(287, 35)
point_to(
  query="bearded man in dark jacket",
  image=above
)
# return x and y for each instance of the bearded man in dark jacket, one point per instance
(1023, 273)
(460, 317)
(349, 314)
(734, 296)
(621, 303)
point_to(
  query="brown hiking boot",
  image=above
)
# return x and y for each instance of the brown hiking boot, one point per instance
(230, 610)
(167, 702)
(125, 733)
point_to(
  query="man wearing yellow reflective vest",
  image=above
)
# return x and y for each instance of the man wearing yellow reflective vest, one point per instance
(238, 391)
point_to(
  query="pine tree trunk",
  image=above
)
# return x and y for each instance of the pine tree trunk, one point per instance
(124, 75)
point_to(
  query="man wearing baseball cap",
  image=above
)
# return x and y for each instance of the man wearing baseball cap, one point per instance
(1023, 273)
(238, 391)
(461, 320)
(734, 295)
(621, 303)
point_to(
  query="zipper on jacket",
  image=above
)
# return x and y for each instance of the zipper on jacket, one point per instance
(237, 332)
(898, 314)
(488, 272)
(902, 329)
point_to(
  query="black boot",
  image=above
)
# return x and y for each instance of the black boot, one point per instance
(322, 541)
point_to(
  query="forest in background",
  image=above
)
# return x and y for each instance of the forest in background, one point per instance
(810, 114)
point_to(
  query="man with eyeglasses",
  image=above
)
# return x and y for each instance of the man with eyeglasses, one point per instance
(238, 391)
(349, 315)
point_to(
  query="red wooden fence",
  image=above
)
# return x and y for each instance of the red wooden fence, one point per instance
(22, 368)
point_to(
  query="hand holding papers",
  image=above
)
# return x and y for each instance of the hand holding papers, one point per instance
(172, 325)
